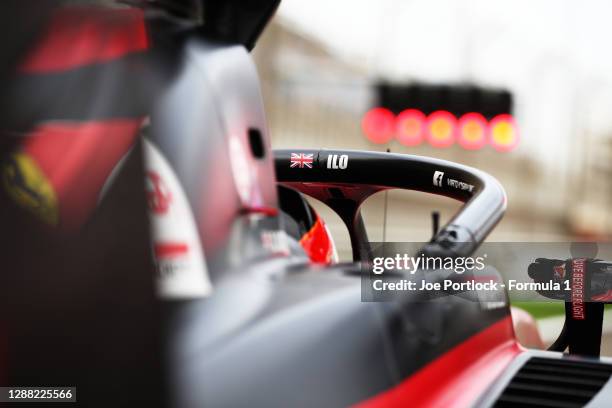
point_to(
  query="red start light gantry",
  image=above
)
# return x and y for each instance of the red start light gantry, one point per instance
(379, 125)
(410, 127)
(503, 133)
(441, 129)
(472, 134)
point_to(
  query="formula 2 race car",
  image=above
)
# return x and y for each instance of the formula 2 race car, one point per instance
(227, 294)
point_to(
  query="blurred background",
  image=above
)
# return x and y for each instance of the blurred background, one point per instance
(326, 64)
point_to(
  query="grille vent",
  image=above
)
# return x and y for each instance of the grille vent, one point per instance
(555, 383)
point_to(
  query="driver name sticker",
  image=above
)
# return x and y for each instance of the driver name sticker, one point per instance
(337, 161)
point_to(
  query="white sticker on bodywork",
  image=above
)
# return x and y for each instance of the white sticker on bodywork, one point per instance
(179, 257)
(437, 178)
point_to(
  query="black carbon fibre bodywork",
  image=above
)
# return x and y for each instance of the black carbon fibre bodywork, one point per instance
(308, 333)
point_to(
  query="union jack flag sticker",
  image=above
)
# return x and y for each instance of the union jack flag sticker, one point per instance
(301, 160)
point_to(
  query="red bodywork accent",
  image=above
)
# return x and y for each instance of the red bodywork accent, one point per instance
(458, 377)
(604, 297)
(78, 36)
(317, 243)
(171, 249)
(267, 211)
(77, 158)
